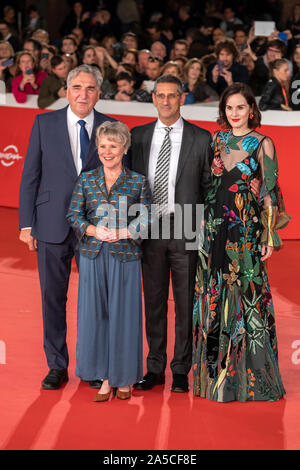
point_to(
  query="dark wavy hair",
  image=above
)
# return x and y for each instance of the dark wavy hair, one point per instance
(229, 46)
(247, 93)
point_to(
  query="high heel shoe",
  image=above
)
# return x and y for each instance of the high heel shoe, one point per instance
(100, 397)
(123, 395)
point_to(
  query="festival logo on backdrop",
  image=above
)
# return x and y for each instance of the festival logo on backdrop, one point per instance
(10, 155)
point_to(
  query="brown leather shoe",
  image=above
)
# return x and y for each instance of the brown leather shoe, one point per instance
(99, 397)
(123, 395)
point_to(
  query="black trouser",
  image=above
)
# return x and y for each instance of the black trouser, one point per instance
(162, 257)
(54, 263)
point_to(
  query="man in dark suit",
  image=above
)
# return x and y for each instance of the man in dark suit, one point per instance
(62, 144)
(175, 156)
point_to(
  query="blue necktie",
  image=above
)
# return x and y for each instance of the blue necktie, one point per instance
(84, 140)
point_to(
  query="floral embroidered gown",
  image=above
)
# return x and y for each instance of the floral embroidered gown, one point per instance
(235, 353)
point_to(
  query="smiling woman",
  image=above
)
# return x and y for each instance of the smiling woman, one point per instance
(235, 343)
(109, 335)
(28, 78)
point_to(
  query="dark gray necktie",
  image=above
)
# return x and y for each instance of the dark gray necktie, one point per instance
(161, 178)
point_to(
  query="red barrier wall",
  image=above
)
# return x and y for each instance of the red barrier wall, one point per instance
(16, 124)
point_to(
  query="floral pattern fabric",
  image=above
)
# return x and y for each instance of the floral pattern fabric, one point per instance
(235, 354)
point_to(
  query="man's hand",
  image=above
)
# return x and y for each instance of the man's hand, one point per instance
(120, 96)
(227, 76)
(26, 237)
(285, 107)
(215, 73)
(62, 92)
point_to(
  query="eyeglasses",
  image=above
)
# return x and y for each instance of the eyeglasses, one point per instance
(154, 59)
(169, 97)
(274, 50)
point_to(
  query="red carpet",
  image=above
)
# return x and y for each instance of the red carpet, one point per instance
(68, 418)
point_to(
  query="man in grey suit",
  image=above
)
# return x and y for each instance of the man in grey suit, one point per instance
(176, 156)
(62, 144)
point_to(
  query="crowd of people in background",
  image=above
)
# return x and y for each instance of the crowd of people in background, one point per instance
(208, 47)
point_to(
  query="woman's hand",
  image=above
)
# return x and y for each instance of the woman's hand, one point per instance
(28, 79)
(118, 234)
(266, 252)
(25, 80)
(31, 80)
(2, 67)
(102, 233)
(255, 187)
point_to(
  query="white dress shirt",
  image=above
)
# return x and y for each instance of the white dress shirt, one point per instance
(157, 140)
(74, 134)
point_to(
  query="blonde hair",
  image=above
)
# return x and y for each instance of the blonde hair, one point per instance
(170, 64)
(187, 66)
(8, 44)
(114, 130)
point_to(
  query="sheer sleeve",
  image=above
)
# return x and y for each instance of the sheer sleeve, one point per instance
(273, 215)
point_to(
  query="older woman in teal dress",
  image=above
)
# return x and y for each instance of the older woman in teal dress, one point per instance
(235, 343)
(109, 214)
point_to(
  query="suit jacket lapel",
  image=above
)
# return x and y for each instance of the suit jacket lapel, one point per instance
(147, 139)
(63, 129)
(187, 140)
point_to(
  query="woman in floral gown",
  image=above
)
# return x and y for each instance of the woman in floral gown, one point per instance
(235, 353)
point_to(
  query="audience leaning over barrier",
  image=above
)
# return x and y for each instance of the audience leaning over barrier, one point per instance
(54, 86)
(7, 64)
(195, 86)
(276, 94)
(28, 79)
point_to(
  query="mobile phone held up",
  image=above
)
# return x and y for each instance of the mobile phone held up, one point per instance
(221, 66)
(29, 71)
(7, 63)
(284, 38)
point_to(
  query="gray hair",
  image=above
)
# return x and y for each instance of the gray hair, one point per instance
(114, 130)
(169, 79)
(161, 43)
(86, 69)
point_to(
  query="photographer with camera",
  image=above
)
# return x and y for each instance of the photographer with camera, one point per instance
(28, 79)
(54, 86)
